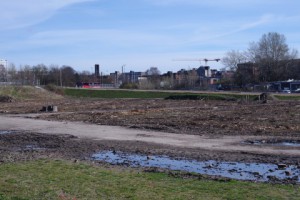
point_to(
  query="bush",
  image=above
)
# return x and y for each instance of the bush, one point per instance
(129, 86)
(55, 89)
(202, 97)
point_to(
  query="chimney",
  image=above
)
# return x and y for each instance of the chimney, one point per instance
(97, 70)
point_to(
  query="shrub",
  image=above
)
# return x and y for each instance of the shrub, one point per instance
(55, 89)
(129, 86)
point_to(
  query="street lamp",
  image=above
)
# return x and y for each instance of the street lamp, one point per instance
(60, 77)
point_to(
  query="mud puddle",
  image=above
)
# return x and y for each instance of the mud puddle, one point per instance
(234, 170)
(33, 148)
(3, 132)
(279, 143)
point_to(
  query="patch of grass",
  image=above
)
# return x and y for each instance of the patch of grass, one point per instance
(55, 89)
(21, 92)
(17, 92)
(288, 97)
(46, 179)
(208, 96)
(90, 93)
(26, 93)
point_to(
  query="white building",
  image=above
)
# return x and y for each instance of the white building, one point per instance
(4, 63)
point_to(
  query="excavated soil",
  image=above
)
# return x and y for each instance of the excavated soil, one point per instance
(212, 119)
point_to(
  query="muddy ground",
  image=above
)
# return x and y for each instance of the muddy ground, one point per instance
(213, 118)
(273, 120)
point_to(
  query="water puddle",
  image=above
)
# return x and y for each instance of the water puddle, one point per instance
(234, 170)
(33, 147)
(3, 132)
(282, 143)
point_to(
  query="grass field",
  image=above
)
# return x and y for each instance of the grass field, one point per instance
(288, 97)
(26, 92)
(93, 93)
(90, 93)
(18, 92)
(46, 179)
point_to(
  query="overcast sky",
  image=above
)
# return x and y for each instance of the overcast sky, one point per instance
(138, 33)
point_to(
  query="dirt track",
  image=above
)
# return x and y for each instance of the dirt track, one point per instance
(101, 132)
(199, 130)
(191, 129)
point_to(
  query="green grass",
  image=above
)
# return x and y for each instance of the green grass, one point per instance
(18, 92)
(26, 93)
(46, 179)
(288, 97)
(90, 93)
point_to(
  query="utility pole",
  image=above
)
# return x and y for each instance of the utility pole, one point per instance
(60, 75)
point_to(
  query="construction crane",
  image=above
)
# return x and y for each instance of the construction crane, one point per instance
(204, 59)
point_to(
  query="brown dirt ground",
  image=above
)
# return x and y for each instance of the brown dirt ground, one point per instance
(207, 118)
(276, 118)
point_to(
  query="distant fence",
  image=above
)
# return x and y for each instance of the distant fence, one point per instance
(8, 83)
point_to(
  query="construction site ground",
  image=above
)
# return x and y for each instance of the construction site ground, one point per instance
(190, 129)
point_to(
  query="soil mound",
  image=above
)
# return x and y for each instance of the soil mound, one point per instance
(6, 99)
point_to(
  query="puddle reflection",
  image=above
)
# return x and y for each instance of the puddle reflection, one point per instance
(283, 143)
(234, 170)
(3, 132)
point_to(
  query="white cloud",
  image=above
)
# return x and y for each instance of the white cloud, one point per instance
(217, 3)
(113, 37)
(22, 13)
(216, 34)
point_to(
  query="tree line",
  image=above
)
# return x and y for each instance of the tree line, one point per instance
(268, 60)
(40, 75)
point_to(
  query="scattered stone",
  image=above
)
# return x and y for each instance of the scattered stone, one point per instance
(256, 174)
(273, 179)
(209, 166)
(49, 108)
(281, 166)
(263, 98)
(287, 173)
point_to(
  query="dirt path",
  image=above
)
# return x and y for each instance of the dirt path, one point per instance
(100, 132)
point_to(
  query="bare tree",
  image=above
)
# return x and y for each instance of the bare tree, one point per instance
(153, 71)
(25, 75)
(154, 79)
(68, 76)
(272, 54)
(53, 75)
(233, 58)
(40, 72)
(12, 73)
(85, 76)
(2, 73)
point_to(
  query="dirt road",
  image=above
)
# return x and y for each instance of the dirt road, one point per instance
(115, 133)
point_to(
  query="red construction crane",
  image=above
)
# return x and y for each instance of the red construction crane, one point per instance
(205, 60)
